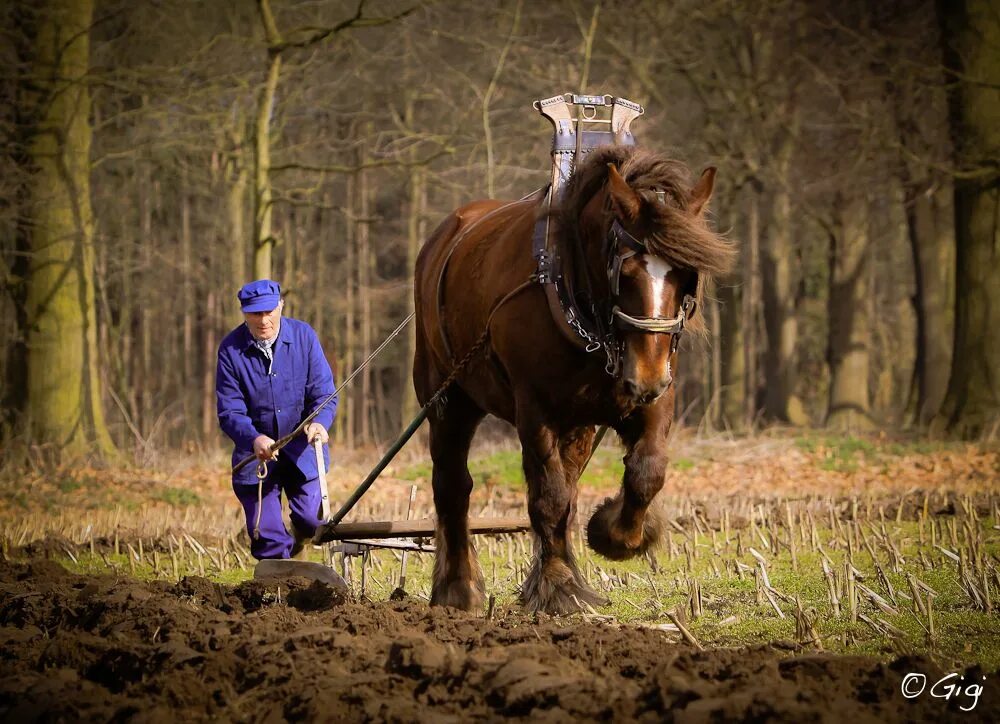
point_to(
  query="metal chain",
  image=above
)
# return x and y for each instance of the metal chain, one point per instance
(593, 344)
(462, 364)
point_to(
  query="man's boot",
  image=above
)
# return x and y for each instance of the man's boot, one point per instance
(300, 549)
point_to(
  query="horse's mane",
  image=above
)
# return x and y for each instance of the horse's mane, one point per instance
(680, 239)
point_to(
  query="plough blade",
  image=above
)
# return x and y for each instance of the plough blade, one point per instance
(278, 568)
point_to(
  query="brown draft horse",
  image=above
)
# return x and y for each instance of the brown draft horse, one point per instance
(551, 390)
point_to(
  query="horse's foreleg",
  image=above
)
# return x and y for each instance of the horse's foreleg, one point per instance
(626, 525)
(554, 583)
(458, 579)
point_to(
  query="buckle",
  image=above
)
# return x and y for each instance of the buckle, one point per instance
(543, 269)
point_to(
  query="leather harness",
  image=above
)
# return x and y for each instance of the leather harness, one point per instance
(588, 323)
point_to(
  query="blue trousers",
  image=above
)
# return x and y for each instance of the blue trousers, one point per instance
(303, 495)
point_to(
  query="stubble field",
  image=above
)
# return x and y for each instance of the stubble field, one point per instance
(801, 576)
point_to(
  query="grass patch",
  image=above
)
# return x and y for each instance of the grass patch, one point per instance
(684, 464)
(177, 497)
(734, 611)
(504, 469)
(68, 485)
(845, 453)
(497, 469)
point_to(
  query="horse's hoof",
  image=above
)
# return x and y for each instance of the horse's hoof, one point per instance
(461, 594)
(554, 587)
(604, 535)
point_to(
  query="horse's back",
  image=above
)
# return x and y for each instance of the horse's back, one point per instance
(471, 241)
(435, 249)
(463, 267)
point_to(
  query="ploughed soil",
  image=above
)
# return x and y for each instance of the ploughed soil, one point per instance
(100, 648)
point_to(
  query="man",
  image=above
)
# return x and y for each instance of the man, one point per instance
(271, 374)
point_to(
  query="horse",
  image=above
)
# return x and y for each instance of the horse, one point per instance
(476, 271)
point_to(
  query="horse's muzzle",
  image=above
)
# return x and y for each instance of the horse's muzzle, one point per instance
(645, 394)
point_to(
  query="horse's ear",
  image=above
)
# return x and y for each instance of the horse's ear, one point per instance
(702, 191)
(624, 200)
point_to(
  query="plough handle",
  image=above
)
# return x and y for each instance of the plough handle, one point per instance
(324, 503)
(376, 471)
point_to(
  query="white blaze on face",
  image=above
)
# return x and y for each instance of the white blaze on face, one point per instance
(657, 269)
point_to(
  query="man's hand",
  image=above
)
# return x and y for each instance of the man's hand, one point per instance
(315, 430)
(262, 448)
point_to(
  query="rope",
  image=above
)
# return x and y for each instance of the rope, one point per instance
(424, 411)
(663, 325)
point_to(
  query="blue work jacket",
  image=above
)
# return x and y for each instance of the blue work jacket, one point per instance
(252, 402)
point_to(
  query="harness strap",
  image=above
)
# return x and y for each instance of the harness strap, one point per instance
(574, 325)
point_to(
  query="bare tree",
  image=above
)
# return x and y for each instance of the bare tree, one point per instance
(63, 404)
(972, 45)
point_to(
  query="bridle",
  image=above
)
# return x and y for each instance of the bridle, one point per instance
(620, 245)
(590, 322)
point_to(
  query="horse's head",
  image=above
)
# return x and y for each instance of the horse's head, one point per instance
(647, 233)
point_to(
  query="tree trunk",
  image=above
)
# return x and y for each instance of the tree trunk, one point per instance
(324, 232)
(63, 399)
(751, 277)
(144, 370)
(929, 221)
(972, 36)
(345, 409)
(290, 231)
(488, 96)
(779, 268)
(210, 342)
(187, 386)
(849, 335)
(714, 390)
(15, 398)
(414, 240)
(238, 176)
(263, 238)
(732, 405)
(364, 291)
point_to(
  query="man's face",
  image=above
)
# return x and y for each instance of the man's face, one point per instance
(263, 325)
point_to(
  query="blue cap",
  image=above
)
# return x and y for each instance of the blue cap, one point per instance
(262, 295)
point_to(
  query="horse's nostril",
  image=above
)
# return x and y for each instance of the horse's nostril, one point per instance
(630, 388)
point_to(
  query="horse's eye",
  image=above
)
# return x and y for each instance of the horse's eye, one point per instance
(631, 266)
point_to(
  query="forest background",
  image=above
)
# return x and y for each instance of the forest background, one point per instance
(158, 154)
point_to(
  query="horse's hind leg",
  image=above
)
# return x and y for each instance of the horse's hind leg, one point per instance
(551, 467)
(458, 580)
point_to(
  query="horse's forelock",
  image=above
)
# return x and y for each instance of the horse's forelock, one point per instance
(679, 238)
